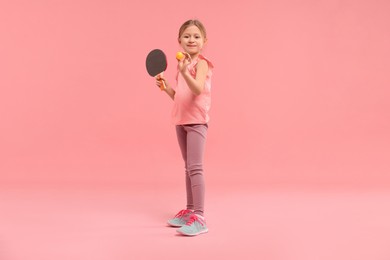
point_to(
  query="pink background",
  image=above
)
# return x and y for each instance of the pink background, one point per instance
(300, 92)
(297, 160)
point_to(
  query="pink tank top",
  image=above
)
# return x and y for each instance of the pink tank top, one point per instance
(189, 108)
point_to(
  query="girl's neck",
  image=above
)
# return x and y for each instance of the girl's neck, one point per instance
(194, 56)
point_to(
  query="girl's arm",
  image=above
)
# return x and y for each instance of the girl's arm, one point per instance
(170, 91)
(195, 84)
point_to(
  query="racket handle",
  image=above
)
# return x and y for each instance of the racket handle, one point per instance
(163, 86)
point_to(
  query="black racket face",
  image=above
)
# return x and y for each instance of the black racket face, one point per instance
(156, 62)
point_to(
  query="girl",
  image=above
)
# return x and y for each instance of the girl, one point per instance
(190, 115)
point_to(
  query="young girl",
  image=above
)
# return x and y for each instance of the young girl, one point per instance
(190, 115)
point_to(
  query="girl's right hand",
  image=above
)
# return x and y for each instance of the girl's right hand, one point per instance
(159, 81)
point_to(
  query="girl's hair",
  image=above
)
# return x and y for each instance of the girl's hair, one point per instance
(195, 22)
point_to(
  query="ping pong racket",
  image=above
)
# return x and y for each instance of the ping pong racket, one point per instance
(156, 64)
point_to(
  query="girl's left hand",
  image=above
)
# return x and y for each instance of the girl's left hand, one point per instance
(183, 63)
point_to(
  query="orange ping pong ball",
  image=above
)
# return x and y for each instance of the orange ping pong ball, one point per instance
(179, 55)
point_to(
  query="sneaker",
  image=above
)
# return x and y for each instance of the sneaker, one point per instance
(180, 218)
(195, 226)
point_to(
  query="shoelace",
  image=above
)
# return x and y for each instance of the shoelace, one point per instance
(194, 218)
(182, 213)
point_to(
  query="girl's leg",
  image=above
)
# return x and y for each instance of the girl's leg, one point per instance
(182, 139)
(196, 140)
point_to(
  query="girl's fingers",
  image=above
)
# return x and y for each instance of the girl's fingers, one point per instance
(159, 78)
(160, 81)
(188, 56)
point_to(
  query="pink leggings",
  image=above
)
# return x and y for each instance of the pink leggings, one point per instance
(192, 140)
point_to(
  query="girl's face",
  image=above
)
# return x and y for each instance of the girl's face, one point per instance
(192, 40)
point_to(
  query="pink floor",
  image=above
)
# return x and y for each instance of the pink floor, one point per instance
(244, 223)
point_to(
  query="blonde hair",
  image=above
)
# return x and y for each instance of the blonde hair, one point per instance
(195, 22)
